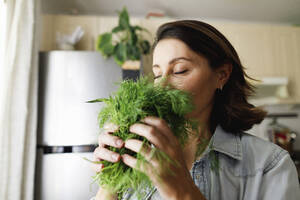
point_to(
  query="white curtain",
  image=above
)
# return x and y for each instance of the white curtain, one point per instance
(18, 99)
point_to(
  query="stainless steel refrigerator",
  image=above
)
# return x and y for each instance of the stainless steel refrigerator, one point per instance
(68, 128)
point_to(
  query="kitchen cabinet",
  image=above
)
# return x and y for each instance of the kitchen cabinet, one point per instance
(268, 50)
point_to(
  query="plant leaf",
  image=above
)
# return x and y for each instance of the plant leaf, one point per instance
(132, 37)
(133, 52)
(108, 50)
(139, 28)
(95, 162)
(145, 46)
(97, 100)
(104, 44)
(117, 29)
(104, 39)
(120, 54)
(124, 19)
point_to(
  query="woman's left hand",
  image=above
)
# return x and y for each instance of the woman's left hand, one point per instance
(175, 185)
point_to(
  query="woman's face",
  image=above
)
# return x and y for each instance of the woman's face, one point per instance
(186, 70)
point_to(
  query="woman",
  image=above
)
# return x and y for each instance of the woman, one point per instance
(195, 57)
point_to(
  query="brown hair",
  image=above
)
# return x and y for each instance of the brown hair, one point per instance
(231, 109)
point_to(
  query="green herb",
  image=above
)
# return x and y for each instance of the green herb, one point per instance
(130, 104)
(129, 43)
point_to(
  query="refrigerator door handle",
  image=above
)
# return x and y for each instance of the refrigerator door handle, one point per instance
(67, 149)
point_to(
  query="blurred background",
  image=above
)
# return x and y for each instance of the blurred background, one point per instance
(52, 62)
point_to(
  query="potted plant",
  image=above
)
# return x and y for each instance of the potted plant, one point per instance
(125, 44)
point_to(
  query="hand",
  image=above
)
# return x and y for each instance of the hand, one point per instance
(101, 153)
(106, 139)
(172, 179)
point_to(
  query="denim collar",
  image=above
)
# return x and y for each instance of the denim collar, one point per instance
(226, 143)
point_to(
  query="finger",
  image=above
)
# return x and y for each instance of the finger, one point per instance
(129, 160)
(160, 125)
(111, 127)
(150, 133)
(105, 154)
(97, 167)
(139, 147)
(110, 140)
(133, 163)
(95, 158)
(144, 167)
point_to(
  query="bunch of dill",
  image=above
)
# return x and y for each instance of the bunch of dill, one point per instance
(131, 103)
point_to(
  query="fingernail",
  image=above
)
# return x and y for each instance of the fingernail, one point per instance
(110, 126)
(131, 128)
(119, 142)
(115, 156)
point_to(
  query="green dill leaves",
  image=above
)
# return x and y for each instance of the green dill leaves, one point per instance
(130, 104)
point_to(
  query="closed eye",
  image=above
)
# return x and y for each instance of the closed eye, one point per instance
(157, 77)
(181, 72)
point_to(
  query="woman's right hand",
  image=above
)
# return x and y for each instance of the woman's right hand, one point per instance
(102, 153)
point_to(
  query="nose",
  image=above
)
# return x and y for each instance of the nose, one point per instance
(165, 80)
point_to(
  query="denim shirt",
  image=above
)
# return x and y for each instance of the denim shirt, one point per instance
(248, 168)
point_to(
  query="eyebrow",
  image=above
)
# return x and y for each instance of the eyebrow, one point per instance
(175, 60)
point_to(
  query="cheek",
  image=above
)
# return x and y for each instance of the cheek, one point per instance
(202, 88)
(199, 84)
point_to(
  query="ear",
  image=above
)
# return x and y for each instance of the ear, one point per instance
(223, 74)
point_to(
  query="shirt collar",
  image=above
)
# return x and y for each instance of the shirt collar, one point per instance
(226, 143)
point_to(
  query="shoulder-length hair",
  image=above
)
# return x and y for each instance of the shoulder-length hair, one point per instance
(231, 108)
